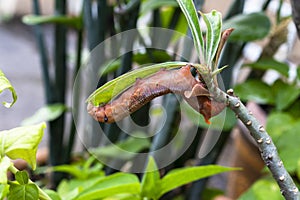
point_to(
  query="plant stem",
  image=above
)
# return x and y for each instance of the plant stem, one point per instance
(264, 142)
(267, 148)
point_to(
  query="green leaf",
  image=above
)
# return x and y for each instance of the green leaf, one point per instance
(110, 67)
(4, 165)
(46, 113)
(285, 94)
(118, 183)
(288, 147)
(154, 4)
(189, 10)
(255, 90)
(52, 194)
(269, 63)
(69, 189)
(4, 190)
(150, 186)
(22, 142)
(298, 169)
(179, 177)
(151, 56)
(248, 27)
(213, 21)
(293, 110)
(5, 84)
(23, 192)
(124, 150)
(72, 21)
(263, 189)
(79, 172)
(123, 197)
(112, 88)
(298, 72)
(22, 177)
(211, 193)
(278, 123)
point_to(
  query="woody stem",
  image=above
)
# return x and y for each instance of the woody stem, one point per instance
(264, 142)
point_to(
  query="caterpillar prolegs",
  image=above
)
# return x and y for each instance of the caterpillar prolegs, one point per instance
(163, 82)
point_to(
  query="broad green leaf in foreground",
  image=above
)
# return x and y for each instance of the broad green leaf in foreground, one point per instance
(46, 113)
(22, 142)
(248, 27)
(189, 10)
(179, 177)
(213, 21)
(118, 183)
(5, 84)
(150, 186)
(112, 88)
(23, 192)
(22, 177)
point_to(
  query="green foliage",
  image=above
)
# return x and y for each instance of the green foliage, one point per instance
(82, 170)
(46, 113)
(151, 178)
(154, 4)
(248, 27)
(118, 183)
(125, 149)
(28, 191)
(188, 9)
(5, 84)
(285, 94)
(280, 94)
(255, 90)
(75, 22)
(288, 146)
(5, 163)
(22, 177)
(263, 189)
(179, 177)
(127, 186)
(269, 63)
(112, 88)
(4, 190)
(25, 146)
(278, 123)
(213, 21)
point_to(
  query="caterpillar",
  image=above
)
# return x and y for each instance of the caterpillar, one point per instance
(179, 81)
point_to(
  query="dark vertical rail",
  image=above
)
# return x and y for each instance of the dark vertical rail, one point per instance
(57, 125)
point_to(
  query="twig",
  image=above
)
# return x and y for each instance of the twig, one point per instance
(265, 144)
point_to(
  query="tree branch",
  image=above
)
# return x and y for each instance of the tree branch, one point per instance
(264, 142)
